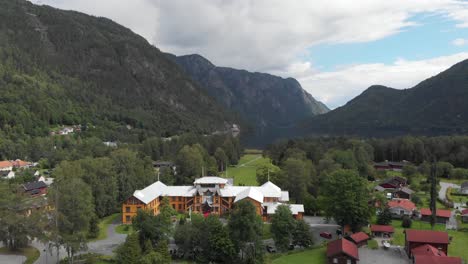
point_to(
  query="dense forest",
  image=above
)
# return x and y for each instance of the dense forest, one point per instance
(67, 68)
(436, 106)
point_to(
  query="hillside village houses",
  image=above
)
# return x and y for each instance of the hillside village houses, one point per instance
(209, 195)
(8, 167)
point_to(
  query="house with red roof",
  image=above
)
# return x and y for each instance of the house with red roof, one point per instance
(464, 216)
(360, 239)
(382, 230)
(6, 165)
(442, 216)
(401, 207)
(417, 238)
(428, 254)
(342, 251)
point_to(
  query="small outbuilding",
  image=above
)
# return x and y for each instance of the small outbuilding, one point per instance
(360, 239)
(382, 230)
(342, 251)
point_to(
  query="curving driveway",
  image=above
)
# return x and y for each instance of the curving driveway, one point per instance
(105, 246)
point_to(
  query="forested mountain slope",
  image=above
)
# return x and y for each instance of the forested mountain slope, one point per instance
(435, 106)
(64, 67)
(271, 104)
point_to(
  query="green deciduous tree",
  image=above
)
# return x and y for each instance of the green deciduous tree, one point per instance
(301, 234)
(282, 226)
(384, 217)
(345, 198)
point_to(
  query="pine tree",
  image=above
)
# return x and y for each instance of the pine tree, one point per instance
(384, 217)
(130, 251)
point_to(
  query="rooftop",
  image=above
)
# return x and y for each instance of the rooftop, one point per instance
(34, 185)
(424, 259)
(439, 212)
(211, 180)
(403, 203)
(382, 228)
(342, 246)
(359, 237)
(427, 236)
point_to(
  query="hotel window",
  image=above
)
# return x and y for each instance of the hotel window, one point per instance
(180, 199)
(127, 218)
(173, 206)
(138, 208)
(127, 209)
(180, 207)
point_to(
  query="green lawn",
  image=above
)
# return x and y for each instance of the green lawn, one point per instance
(124, 229)
(457, 247)
(315, 256)
(245, 173)
(104, 224)
(266, 231)
(31, 253)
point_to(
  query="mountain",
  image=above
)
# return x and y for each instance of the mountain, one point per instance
(271, 104)
(64, 67)
(436, 106)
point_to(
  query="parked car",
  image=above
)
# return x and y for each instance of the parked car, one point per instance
(326, 235)
(270, 249)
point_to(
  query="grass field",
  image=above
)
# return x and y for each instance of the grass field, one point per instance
(104, 224)
(124, 229)
(31, 253)
(316, 256)
(245, 173)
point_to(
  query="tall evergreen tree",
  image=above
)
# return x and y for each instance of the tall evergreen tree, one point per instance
(282, 226)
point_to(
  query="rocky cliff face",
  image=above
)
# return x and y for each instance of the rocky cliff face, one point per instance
(272, 105)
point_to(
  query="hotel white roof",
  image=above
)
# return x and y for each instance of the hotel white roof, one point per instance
(295, 208)
(257, 193)
(250, 192)
(211, 180)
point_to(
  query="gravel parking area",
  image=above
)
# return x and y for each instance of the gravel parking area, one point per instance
(392, 255)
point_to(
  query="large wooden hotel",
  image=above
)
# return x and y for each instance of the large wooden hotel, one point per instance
(209, 195)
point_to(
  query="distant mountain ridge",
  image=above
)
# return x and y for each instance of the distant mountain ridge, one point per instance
(271, 104)
(436, 106)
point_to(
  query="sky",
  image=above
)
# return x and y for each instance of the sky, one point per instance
(335, 48)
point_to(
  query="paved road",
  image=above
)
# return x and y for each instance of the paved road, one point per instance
(319, 224)
(443, 189)
(11, 259)
(104, 247)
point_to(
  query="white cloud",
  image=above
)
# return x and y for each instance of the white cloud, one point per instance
(335, 88)
(460, 42)
(271, 35)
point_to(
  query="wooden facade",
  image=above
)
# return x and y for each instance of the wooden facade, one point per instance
(206, 197)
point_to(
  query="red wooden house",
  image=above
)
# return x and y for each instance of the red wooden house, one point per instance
(342, 251)
(35, 188)
(417, 238)
(380, 230)
(442, 216)
(360, 239)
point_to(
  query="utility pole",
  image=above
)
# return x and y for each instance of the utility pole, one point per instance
(56, 222)
(433, 205)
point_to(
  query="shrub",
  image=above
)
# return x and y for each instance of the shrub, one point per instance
(406, 222)
(372, 244)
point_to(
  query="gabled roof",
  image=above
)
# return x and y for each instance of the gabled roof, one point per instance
(295, 208)
(34, 185)
(250, 192)
(406, 190)
(210, 180)
(439, 212)
(402, 203)
(423, 259)
(269, 189)
(427, 236)
(427, 250)
(150, 193)
(382, 228)
(342, 246)
(284, 196)
(359, 237)
(6, 164)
